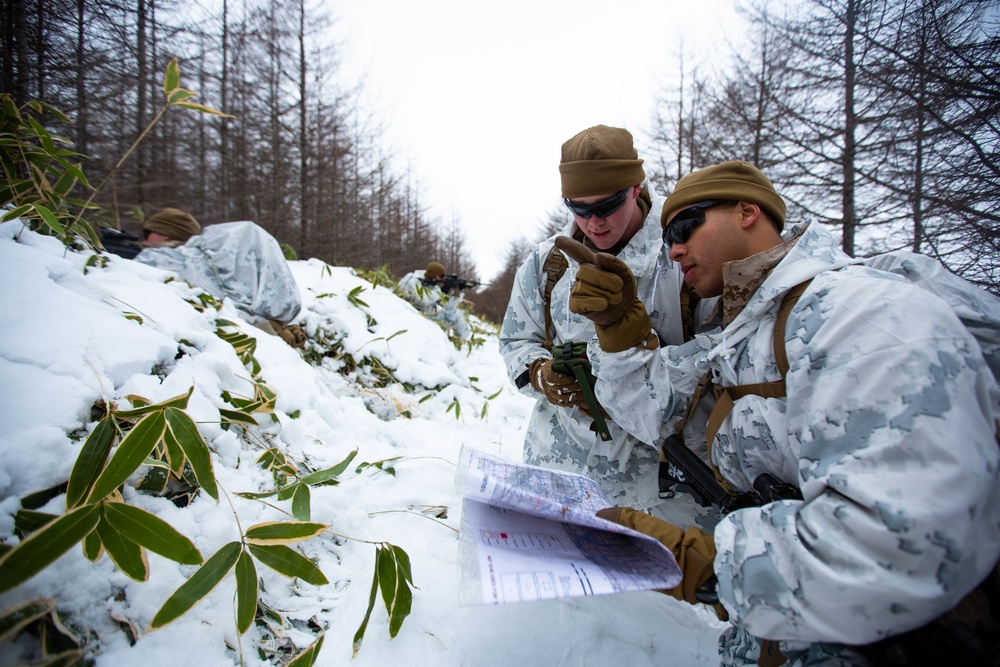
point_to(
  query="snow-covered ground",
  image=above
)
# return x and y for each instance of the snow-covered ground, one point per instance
(73, 334)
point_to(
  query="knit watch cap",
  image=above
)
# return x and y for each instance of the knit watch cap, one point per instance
(600, 160)
(434, 270)
(736, 180)
(174, 223)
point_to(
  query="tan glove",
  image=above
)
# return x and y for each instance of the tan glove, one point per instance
(558, 388)
(605, 292)
(292, 334)
(693, 549)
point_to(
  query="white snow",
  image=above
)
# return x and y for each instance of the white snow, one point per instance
(71, 335)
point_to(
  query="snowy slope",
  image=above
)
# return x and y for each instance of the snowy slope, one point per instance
(377, 377)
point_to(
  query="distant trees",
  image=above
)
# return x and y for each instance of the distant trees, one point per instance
(492, 301)
(299, 156)
(877, 116)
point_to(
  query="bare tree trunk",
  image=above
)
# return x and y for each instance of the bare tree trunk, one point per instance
(303, 129)
(224, 185)
(81, 87)
(141, 101)
(850, 123)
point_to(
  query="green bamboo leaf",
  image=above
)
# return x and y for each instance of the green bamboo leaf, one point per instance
(126, 554)
(27, 522)
(301, 502)
(152, 532)
(172, 78)
(402, 602)
(289, 562)
(44, 546)
(198, 586)
(92, 547)
(134, 448)
(77, 171)
(70, 177)
(175, 455)
(15, 213)
(283, 532)
(144, 407)
(182, 429)
(288, 491)
(274, 459)
(360, 634)
(246, 592)
(50, 220)
(256, 496)
(246, 405)
(385, 561)
(194, 106)
(179, 95)
(234, 417)
(308, 657)
(90, 461)
(266, 397)
(48, 108)
(16, 617)
(402, 563)
(44, 138)
(329, 473)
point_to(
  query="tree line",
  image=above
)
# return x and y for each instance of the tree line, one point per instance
(878, 117)
(297, 153)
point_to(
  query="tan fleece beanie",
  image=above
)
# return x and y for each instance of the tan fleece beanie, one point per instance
(600, 160)
(174, 223)
(737, 180)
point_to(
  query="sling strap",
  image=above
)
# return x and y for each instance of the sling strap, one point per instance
(571, 359)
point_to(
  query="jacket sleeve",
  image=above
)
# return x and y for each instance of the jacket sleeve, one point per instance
(523, 330)
(647, 391)
(889, 422)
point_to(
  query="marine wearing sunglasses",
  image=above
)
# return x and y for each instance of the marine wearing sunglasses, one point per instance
(601, 209)
(679, 229)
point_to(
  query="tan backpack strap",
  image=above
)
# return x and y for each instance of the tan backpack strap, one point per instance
(787, 303)
(726, 397)
(554, 267)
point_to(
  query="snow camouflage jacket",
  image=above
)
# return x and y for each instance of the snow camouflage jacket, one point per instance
(239, 261)
(887, 430)
(562, 438)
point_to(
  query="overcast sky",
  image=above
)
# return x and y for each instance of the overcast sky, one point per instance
(477, 98)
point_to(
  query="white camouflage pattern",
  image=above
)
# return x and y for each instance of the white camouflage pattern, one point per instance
(888, 430)
(625, 467)
(239, 261)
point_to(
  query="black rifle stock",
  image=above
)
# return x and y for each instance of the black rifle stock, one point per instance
(684, 472)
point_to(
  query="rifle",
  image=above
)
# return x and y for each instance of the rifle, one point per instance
(450, 282)
(682, 470)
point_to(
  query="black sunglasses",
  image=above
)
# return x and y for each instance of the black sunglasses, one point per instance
(601, 209)
(679, 229)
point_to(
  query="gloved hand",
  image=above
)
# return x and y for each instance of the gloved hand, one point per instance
(693, 549)
(292, 334)
(559, 388)
(604, 292)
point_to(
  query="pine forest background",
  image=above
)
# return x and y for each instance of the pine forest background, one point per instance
(876, 117)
